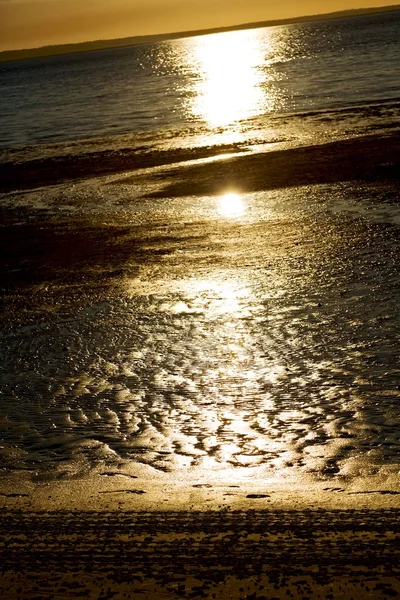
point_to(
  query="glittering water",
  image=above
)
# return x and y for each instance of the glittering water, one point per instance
(232, 87)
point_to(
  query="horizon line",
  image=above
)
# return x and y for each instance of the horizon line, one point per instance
(109, 43)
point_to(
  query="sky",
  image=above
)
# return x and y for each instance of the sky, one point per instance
(35, 23)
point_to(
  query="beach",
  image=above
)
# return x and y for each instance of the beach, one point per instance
(317, 516)
(199, 325)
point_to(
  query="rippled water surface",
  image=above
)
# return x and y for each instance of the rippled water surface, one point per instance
(230, 87)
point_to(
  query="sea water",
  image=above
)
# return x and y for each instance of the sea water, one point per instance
(339, 76)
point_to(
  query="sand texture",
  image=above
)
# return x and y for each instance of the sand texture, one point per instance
(251, 554)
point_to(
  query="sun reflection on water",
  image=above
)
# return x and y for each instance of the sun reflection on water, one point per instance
(229, 83)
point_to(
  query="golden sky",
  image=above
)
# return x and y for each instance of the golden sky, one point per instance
(34, 23)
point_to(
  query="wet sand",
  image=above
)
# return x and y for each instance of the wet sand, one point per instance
(368, 158)
(64, 253)
(48, 248)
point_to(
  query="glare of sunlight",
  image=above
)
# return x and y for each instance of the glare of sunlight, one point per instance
(231, 205)
(230, 79)
(221, 297)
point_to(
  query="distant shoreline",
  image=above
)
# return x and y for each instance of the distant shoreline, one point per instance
(12, 55)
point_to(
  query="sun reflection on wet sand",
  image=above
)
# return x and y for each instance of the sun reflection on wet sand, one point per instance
(243, 389)
(231, 205)
(235, 382)
(246, 364)
(218, 298)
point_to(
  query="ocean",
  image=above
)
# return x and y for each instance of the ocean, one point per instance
(326, 79)
(200, 258)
